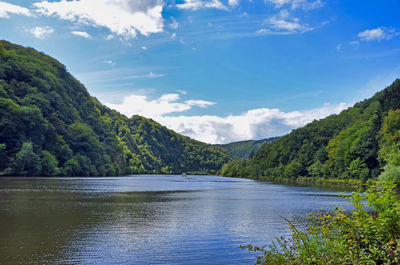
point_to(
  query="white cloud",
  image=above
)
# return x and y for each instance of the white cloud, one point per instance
(233, 3)
(116, 76)
(124, 18)
(199, 4)
(339, 47)
(41, 32)
(144, 48)
(173, 35)
(156, 108)
(110, 37)
(174, 24)
(284, 23)
(82, 34)
(253, 124)
(377, 34)
(110, 62)
(151, 75)
(140, 76)
(183, 92)
(296, 4)
(263, 31)
(7, 8)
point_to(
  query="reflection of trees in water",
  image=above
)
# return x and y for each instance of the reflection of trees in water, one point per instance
(42, 224)
(66, 220)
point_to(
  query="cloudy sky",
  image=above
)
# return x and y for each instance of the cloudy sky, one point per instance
(218, 70)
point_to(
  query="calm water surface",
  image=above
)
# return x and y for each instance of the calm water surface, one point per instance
(148, 219)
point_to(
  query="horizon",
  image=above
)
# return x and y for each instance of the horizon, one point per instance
(216, 71)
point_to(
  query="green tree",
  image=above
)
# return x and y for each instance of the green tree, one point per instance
(26, 162)
(316, 170)
(358, 170)
(3, 157)
(49, 164)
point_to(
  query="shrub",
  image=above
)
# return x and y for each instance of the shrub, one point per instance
(368, 234)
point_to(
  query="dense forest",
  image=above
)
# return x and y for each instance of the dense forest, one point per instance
(353, 145)
(246, 149)
(50, 125)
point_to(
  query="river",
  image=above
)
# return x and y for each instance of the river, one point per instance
(148, 219)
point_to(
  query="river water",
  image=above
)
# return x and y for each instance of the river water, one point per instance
(148, 219)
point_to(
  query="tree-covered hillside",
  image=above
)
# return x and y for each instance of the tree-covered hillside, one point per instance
(355, 144)
(246, 149)
(50, 125)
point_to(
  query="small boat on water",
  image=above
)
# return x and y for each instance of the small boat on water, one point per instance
(184, 175)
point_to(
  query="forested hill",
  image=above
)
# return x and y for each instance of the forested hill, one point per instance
(246, 149)
(50, 125)
(355, 144)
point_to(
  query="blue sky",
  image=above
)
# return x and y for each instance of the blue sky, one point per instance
(218, 70)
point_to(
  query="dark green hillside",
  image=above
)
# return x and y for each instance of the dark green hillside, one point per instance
(245, 149)
(50, 125)
(351, 145)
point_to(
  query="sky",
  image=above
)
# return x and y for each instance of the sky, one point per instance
(218, 70)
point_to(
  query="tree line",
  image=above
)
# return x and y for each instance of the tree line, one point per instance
(50, 125)
(353, 145)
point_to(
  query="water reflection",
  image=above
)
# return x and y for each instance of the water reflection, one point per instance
(147, 219)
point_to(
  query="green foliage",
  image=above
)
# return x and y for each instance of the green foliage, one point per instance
(68, 132)
(49, 164)
(246, 149)
(356, 144)
(26, 161)
(365, 235)
(3, 156)
(317, 170)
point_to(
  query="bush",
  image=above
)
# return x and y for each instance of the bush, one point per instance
(369, 234)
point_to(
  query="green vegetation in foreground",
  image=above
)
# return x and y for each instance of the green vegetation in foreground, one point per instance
(50, 125)
(352, 145)
(361, 236)
(365, 235)
(246, 149)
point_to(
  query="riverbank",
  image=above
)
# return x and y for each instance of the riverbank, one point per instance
(323, 181)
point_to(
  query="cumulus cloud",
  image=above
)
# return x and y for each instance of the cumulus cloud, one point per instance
(124, 18)
(41, 32)
(380, 33)
(253, 124)
(199, 4)
(296, 4)
(156, 108)
(6, 9)
(82, 34)
(284, 23)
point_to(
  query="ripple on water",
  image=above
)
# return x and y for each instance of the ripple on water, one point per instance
(148, 219)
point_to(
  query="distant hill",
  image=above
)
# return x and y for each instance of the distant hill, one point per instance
(50, 125)
(244, 149)
(356, 144)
